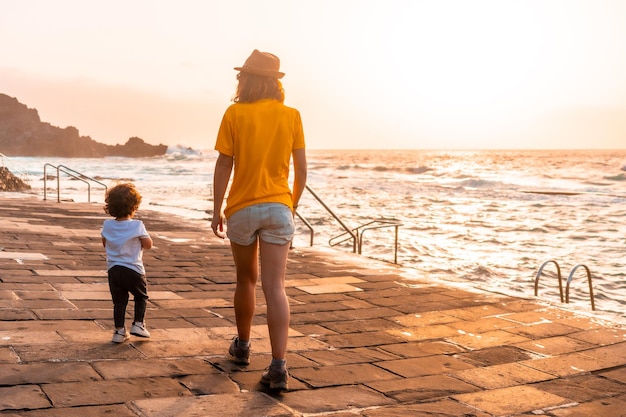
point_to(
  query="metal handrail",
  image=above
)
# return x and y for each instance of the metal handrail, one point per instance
(380, 224)
(356, 235)
(558, 273)
(15, 167)
(346, 228)
(569, 280)
(359, 231)
(309, 225)
(72, 173)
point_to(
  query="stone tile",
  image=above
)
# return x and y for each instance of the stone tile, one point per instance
(423, 333)
(494, 356)
(425, 348)
(421, 388)
(7, 355)
(328, 288)
(146, 368)
(583, 388)
(441, 408)
(48, 325)
(428, 365)
(498, 402)
(76, 314)
(605, 407)
(424, 319)
(475, 313)
(71, 273)
(502, 376)
(72, 394)
(58, 352)
(484, 325)
(566, 365)
(603, 336)
(543, 330)
(45, 373)
(50, 294)
(488, 339)
(168, 349)
(245, 404)
(13, 337)
(16, 314)
(198, 303)
(363, 339)
(117, 410)
(616, 375)
(325, 400)
(348, 356)
(364, 325)
(22, 397)
(351, 374)
(554, 345)
(529, 317)
(337, 280)
(612, 355)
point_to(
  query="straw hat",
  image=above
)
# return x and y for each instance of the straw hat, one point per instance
(262, 63)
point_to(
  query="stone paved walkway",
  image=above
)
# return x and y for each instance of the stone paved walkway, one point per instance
(365, 339)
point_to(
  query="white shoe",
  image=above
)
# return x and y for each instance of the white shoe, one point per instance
(119, 335)
(139, 329)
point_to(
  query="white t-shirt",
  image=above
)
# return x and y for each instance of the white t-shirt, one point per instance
(123, 246)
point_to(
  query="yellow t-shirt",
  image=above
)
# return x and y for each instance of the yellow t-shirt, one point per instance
(261, 137)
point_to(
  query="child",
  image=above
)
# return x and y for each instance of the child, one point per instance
(124, 239)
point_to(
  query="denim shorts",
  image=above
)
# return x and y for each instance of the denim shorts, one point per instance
(270, 222)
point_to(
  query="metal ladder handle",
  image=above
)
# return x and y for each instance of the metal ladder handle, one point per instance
(589, 280)
(384, 224)
(558, 272)
(309, 225)
(346, 228)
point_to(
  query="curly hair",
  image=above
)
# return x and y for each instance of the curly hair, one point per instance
(122, 200)
(253, 87)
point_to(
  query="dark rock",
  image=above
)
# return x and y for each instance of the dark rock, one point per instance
(22, 133)
(9, 182)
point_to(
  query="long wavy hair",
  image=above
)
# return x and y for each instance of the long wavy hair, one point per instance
(122, 200)
(253, 87)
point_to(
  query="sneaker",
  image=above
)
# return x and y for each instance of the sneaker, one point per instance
(277, 379)
(119, 335)
(139, 329)
(241, 356)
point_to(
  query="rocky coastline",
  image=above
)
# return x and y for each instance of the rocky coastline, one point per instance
(22, 133)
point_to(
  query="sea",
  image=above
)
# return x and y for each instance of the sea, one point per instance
(503, 221)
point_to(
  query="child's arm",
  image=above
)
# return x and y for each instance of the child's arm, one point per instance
(146, 242)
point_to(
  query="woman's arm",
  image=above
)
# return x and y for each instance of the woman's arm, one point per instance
(221, 176)
(300, 174)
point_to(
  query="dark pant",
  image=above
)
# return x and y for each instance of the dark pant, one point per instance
(123, 280)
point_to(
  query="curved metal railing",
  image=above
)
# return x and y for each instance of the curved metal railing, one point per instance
(569, 281)
(72, 173)
(354, 234)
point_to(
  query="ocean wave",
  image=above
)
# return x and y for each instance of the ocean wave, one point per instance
(179, 152)
(478, 183)
(418, 170)
(618, 177)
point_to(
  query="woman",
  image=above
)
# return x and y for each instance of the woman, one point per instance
(258, 136)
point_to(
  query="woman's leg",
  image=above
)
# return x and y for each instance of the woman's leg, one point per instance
(273, 264)
(246, 265)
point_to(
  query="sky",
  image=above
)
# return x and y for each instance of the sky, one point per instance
(365, 74)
